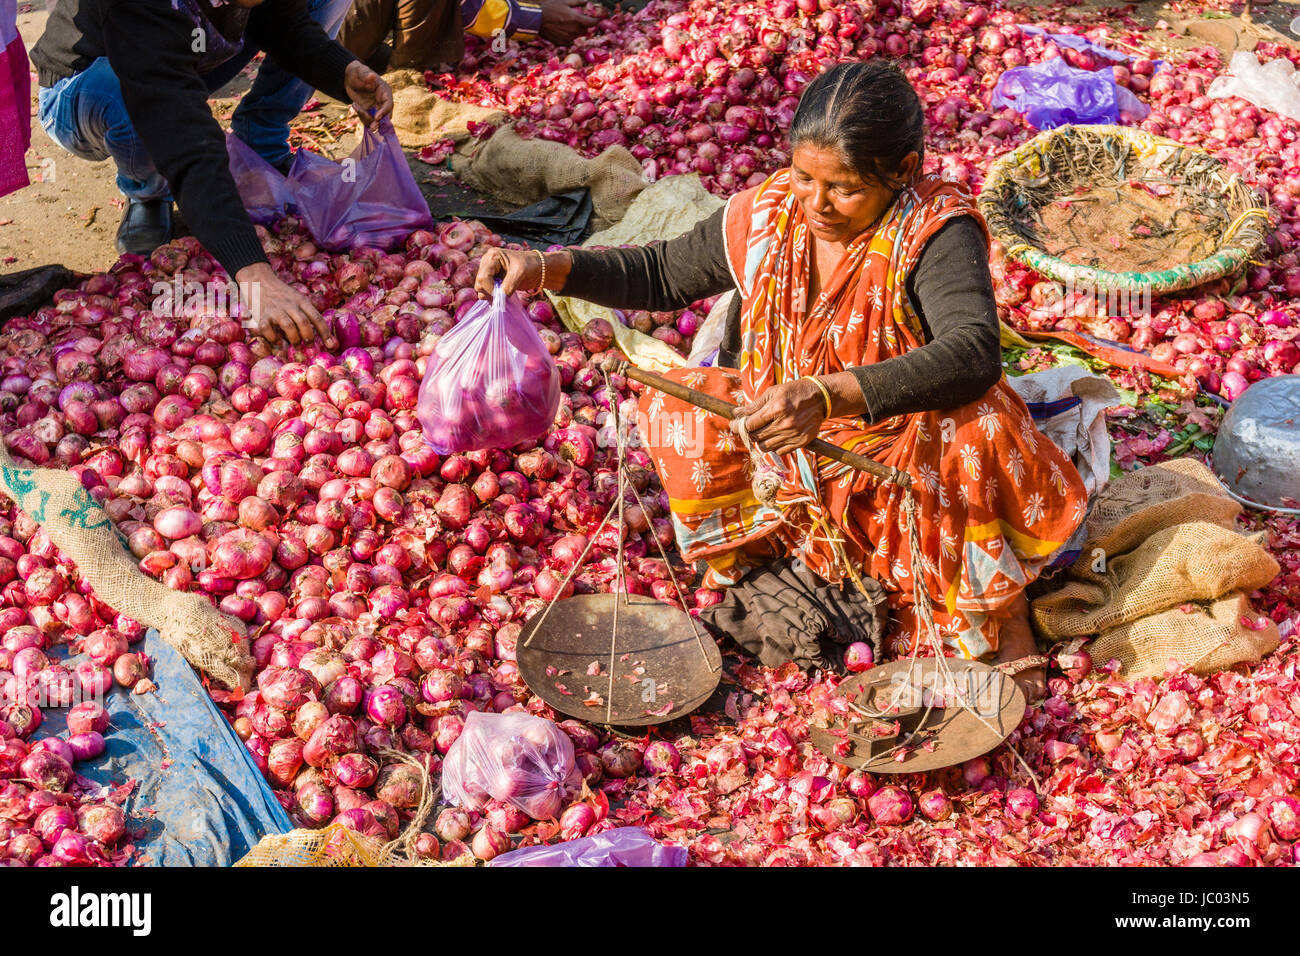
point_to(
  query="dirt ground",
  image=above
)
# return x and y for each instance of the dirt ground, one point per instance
(70, 212)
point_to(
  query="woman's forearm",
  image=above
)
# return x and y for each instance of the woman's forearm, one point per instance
(660, 277)
(953, 295)
(847, 400)
(558, 266)
(946, 373)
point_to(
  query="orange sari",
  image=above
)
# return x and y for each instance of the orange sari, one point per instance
(995, 498)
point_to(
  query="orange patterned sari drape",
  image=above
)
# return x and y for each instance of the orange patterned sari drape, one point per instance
(995, 497)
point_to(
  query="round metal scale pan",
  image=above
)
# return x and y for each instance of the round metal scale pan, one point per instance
(662, 670)
(956, 733)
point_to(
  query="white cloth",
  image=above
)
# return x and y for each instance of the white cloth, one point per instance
(1080, 431)
(704, 348)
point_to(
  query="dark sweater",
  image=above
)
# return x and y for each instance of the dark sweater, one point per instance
(148, 44)
(950, 288)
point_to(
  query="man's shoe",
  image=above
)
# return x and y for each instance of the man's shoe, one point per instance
(145, 226)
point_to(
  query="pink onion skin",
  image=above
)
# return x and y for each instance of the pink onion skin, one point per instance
(488, 843)
(858, 657)
(890, 806)
(1076, 665)
(88, 745)
(935, 805)
(1022, 803)
(661, 757)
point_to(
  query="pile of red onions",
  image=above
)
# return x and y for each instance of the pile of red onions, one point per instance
(712, 88)
(60, 649)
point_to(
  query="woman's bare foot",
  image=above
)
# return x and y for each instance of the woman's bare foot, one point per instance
(1015, 641)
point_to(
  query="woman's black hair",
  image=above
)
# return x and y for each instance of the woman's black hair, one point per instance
(866, 112)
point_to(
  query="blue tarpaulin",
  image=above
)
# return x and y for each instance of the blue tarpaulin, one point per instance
(211, 804)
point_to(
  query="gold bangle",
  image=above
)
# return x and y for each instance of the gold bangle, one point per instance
(826, 392)
(541, 286)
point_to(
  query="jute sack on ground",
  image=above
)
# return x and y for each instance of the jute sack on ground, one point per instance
(332, 846)
(421, 118)
(1205, 640)
(664, 210)
(1195, 561)
(1137, 504)
(336, 845)
(81, 530)
(520, 171)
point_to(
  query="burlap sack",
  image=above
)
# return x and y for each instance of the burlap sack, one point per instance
(1194, 561)
(1204, 640)
(83, 532)
(519, 172)
(664, 210)
(332, 846)
(420, 118)
(1136, 505)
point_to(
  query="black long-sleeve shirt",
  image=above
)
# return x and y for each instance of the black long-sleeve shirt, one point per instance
(950, 288)
(149, 45)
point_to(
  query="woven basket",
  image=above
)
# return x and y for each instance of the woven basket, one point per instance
(1054, 163)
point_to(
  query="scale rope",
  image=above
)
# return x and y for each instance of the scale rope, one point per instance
(766, 484)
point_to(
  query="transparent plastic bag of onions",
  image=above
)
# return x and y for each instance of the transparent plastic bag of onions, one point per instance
(516, 758)
(490, 382)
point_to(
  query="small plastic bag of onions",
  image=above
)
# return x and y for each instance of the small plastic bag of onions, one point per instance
(516, 758)
(490, 382)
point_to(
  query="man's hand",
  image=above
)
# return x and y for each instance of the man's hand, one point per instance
(279, 311)
(371, 97)
(786, 417)
(562, 23)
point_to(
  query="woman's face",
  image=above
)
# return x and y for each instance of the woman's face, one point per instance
(838, 204)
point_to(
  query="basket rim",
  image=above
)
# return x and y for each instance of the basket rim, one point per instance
(1222, 263)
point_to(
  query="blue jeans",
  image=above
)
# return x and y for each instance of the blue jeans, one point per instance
(84, 113)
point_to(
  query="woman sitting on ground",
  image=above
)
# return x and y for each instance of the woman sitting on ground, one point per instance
(864, 315)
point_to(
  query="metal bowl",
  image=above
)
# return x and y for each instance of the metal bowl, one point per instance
(1257, 451)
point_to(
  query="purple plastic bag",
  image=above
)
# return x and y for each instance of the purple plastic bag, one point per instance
(263, 191)
(1053, 93)
(490, 382)
(1079, 43)
(516, 758)
(368, 199)
(625, 846)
